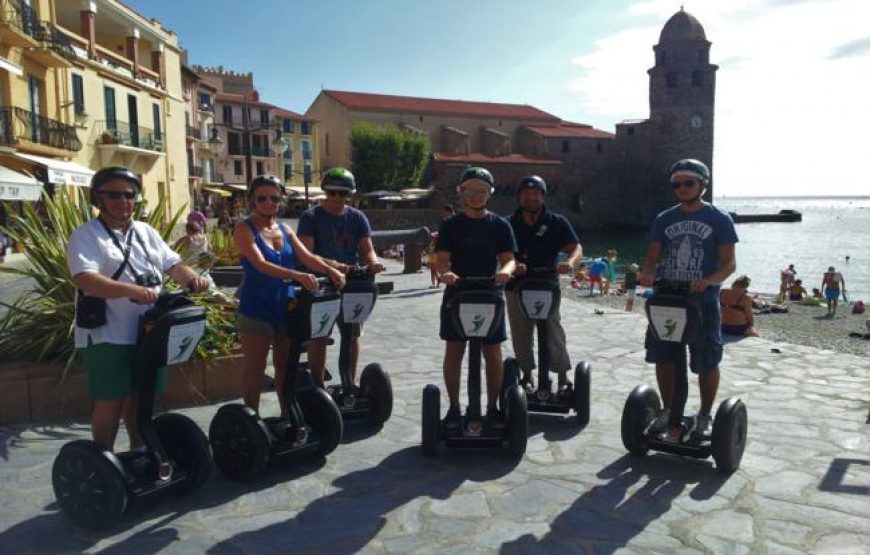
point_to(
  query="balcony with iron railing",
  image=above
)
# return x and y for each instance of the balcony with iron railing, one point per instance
(262, 152)
(17, 124)
(123, 134)
(53, 48)
(193, 132)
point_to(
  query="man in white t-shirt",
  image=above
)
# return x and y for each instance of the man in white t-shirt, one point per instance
(95, 256)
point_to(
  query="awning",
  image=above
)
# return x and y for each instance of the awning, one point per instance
(17, 186)
(61, 172)
(11, 67)
(219, 192)
(235, 187)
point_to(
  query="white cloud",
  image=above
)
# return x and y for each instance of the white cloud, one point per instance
(792, 89)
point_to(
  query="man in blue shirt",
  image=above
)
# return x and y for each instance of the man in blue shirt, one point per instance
(341, 235)
(541, 236)
(692, 242)
(474, 243)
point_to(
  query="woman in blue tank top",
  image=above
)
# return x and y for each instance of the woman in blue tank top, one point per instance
(269, 252)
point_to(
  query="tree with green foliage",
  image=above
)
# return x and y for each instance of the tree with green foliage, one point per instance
(385, 157)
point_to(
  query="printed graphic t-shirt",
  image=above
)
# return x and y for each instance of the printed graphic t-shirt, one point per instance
(335, 237)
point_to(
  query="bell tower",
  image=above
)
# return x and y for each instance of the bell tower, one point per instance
(682, 89)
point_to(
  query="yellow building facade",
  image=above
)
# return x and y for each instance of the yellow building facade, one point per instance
(90, 84)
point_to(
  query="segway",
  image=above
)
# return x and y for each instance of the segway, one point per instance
(675, 317)
(95, 487)
(538, 293)
(475, 308)
(243, 443)
(373, 398)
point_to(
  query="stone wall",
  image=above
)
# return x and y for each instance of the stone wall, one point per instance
(403, 218)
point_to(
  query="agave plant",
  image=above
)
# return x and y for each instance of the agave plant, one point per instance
(38, 325)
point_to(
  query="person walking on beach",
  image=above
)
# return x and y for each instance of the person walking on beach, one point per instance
(541, 236)
(692, 242)
(833, 284)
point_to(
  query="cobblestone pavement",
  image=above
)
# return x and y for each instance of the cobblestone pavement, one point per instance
(804, 485)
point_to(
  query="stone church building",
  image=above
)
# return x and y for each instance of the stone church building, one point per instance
(597, 179)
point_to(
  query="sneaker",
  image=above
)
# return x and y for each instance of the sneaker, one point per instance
(453, 418)
(700, 427)
(528, 382)
(494, 418)
(660, 424)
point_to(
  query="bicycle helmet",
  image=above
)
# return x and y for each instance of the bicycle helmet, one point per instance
(338, 179)
(478, 173)
(690, 167)
(532, 182)
(109, 174)
(264, 179)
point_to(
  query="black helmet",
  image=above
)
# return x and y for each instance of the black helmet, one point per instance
(532, 182)
(477, 173)
(691, 166)
(108, 174)
(265, 179)
(338, 179)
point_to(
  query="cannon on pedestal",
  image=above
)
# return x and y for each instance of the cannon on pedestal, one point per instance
(415, 241)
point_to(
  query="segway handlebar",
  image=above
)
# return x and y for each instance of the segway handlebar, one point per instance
(476, 280)
(670, 287)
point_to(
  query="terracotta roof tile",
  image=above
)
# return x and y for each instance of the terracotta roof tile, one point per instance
(408, 104)
(479, 158)
(569, 130)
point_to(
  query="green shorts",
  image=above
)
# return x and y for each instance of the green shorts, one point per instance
(110, 371)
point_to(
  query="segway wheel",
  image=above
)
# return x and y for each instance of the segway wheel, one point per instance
(431, 420)
(239, 443)
(517, 421)
(375, 383)
(729, 434)
(322, 414)
(89, 485)
(641, 408)
(582, 381)
(187, 448)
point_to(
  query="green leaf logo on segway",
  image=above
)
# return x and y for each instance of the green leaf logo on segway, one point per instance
(185, 343)
(477, 323)
(357, 310)
(323, 321)
(670, 326)
(539, 306)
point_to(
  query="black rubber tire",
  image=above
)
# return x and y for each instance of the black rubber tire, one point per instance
(641, 408)
(324, 417)
(729, 434)
(187, 448)
(517, 420)
(89, 487)
(375, 384)
(431, 420)
(239, 444)
(582, 388)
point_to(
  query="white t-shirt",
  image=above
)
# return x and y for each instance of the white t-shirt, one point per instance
(91, 249)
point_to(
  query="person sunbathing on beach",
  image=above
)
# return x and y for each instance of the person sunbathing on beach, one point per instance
(737, 316)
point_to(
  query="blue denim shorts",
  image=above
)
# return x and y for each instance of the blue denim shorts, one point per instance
(705, 353)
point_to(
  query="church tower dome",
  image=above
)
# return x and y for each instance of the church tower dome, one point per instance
(682, 26)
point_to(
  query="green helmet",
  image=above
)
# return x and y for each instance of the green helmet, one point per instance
(477, 173)
(338, 179)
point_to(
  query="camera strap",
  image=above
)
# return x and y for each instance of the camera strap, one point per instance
(125, 251)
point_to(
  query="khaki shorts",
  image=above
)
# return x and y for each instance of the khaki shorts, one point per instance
(255, 326)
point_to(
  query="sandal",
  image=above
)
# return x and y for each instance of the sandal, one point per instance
(566, 390)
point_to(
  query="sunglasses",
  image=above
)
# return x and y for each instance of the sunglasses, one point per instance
(687, 183)
(337, 193)
(475, 192)
(272, 198)
(115, 195)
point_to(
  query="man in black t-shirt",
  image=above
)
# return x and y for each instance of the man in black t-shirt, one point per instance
(541, 235)
(474, 243)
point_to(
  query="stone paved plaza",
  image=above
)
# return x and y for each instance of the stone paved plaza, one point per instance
(803, 487)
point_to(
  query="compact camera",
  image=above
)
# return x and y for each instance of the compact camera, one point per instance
(148, 280)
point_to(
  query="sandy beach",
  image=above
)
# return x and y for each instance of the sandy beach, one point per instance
(802, 325)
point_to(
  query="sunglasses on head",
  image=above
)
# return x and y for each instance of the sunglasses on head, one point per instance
(272, 198)
(339, 193)
(687, 183)
(115, 195)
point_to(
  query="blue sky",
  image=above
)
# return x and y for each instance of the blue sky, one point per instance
(791, 106)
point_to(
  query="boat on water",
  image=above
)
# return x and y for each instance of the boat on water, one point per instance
(781, 216)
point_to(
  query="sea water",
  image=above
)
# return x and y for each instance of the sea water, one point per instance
(832, 228)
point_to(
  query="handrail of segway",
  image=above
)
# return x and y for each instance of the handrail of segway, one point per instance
(669, 287)
(322, 281)
(476, 280)
(359, 272)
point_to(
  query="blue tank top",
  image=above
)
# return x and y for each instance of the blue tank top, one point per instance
(265, 297)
